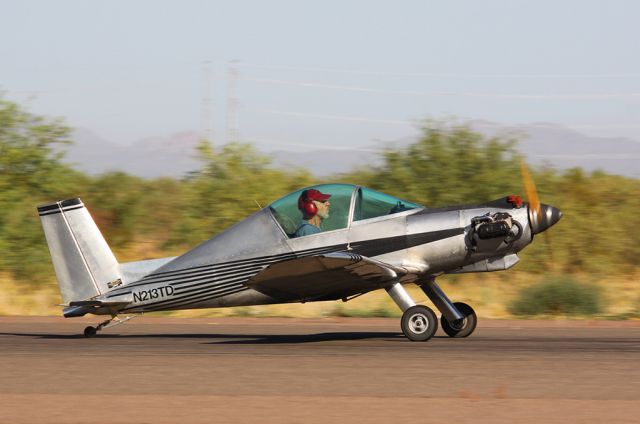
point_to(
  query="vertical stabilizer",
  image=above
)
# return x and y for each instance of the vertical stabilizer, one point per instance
(84, 263)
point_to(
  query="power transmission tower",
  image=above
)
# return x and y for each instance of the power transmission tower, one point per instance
(206, 104)
(233, 131)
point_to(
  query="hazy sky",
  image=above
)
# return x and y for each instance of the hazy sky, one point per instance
(330, 72)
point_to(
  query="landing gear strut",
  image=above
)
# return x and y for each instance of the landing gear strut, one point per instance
(461, 327)
(419, 323)
(92, 331)
(458, 319)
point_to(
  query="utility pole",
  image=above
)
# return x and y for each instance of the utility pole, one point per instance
(233, 131)
(206, 105)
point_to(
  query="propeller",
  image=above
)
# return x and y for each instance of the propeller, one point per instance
(530, 190)
(541, 216)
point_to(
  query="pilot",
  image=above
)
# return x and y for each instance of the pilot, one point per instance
(314, 206)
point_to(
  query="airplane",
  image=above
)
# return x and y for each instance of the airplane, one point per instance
(367, 241)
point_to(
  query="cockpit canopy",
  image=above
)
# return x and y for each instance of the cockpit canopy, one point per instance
(347, 203)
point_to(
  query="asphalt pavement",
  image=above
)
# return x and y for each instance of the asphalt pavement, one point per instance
(267, 370)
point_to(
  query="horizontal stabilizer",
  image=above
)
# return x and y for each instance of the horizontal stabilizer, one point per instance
(134, 271)
(82, 307)
(99, 303)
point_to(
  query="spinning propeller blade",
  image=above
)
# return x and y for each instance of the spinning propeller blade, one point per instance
(541, 216)
(530, 189)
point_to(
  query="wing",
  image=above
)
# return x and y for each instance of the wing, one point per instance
(323, 277)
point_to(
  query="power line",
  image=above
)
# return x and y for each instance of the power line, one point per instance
(598, 156)
(233, 76)
(441, 75)
(464, 120)
(337, 117)
(313, 146)
(580, 96)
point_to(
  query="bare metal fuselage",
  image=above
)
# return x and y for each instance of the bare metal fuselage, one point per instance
(422, 242)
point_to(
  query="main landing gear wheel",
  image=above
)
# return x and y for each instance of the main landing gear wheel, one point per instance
(90, 331)
(419, 323)
(462, 327)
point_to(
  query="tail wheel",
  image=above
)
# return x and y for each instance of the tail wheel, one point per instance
(419, 323)
(90, 331)
(462, 327)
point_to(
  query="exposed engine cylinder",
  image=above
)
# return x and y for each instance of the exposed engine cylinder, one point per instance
(493, 229)
(497, 228)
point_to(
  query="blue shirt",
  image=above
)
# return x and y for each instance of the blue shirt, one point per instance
(306, 229)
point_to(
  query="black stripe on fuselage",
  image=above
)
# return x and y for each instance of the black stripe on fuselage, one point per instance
(208, 275)
(238, 265)
(118, 294)
(212, 292)
(381, 246)
(501, 203)
(205, 286)
(202, 291)
(200, 299)
(184, 285)
(212, 270)
(211, 285)
(242, 261)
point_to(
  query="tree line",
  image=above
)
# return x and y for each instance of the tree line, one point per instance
(449, 164)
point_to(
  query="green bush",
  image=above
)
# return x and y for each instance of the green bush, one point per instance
(558, 296)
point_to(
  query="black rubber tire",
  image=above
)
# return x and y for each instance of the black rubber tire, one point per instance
(90, 331)
(419, 323)
(464, 327)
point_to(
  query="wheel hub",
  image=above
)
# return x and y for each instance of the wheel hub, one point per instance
(418, 323)
(458, 324)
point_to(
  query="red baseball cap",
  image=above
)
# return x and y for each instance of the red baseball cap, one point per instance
(313, 194)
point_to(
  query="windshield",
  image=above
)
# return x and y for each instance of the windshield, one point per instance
(371, 204)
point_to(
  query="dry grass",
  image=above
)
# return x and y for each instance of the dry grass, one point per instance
(488, 293)
(24, 299)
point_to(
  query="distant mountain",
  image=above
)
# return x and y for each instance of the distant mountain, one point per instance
(563, 148)
(541, 143)
(175, 155)
(150, 157)
(323, 163)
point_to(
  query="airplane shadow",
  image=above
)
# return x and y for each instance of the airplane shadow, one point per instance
(239, 339)
(307, 338)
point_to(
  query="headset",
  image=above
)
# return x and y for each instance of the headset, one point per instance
(308, 208)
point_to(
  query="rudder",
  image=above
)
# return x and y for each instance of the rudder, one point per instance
(84, 264)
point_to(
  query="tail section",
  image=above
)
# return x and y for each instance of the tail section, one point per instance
(84, 263)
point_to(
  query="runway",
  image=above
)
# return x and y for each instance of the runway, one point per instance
(348, 370)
